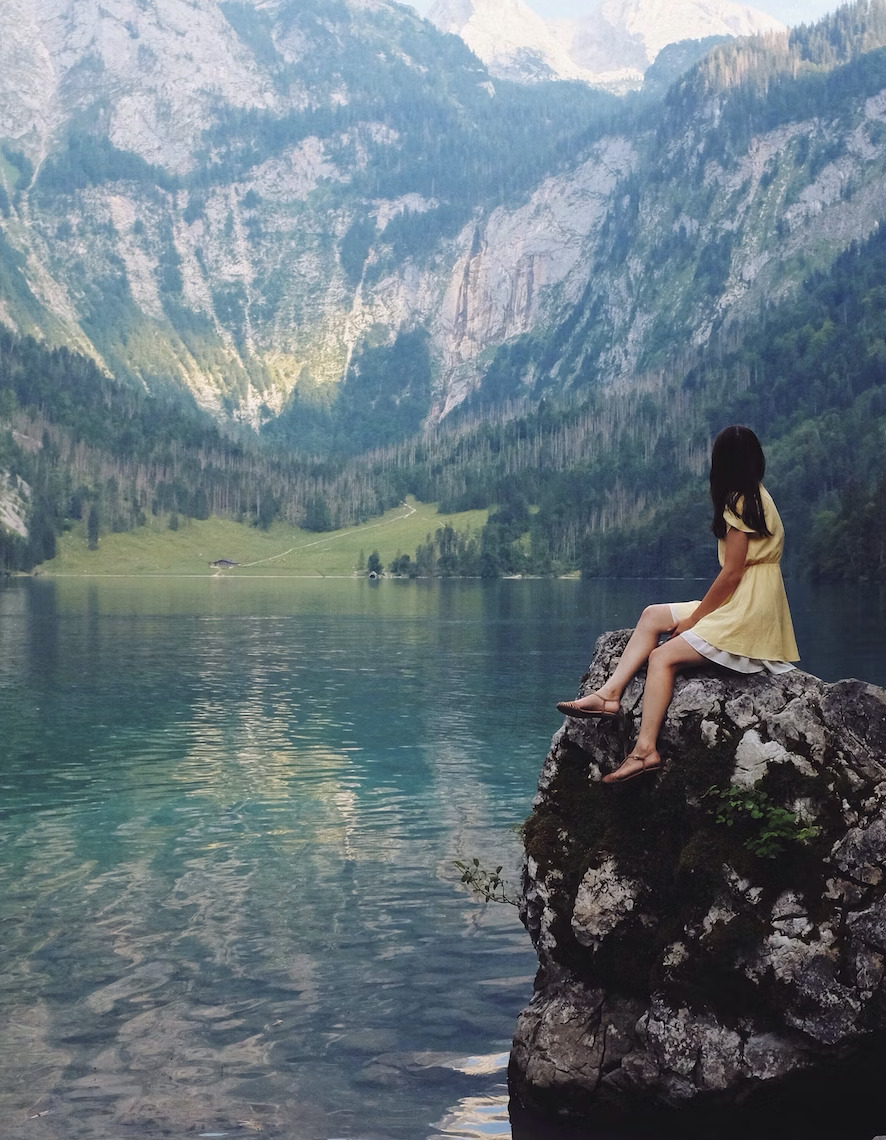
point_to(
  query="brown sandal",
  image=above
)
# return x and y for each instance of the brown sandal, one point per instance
(614, 778)
(574, 709)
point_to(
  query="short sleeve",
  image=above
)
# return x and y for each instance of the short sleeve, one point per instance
(736, 521)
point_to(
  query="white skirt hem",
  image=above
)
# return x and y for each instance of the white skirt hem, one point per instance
(734, 661)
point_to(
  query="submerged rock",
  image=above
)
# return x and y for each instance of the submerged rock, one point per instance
(714, 935)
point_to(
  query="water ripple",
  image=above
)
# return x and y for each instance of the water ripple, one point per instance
(228, 899)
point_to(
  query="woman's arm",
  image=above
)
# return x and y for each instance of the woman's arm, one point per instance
(723, 586)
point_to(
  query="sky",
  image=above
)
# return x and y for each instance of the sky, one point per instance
(789, 11)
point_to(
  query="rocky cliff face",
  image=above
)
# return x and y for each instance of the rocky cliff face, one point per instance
(512, 40)
(179, 181)
(234, 197)
(15, 500)
(714, 936)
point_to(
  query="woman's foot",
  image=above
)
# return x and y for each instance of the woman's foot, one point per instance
(632, 766)
(593, 705)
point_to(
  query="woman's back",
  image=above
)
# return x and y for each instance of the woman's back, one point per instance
(762, 548)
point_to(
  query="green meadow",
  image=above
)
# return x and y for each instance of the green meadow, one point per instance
(280, 550)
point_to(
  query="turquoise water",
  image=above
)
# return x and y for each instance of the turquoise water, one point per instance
(230, 811)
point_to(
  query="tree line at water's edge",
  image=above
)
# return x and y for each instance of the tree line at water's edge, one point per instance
(611, 483)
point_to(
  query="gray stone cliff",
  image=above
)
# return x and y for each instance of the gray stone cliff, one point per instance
(712, 937)
(224, 262)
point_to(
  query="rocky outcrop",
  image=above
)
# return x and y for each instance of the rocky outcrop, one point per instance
(713, 935)
(15, 500)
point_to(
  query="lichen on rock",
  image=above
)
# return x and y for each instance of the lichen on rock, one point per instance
(714, 935)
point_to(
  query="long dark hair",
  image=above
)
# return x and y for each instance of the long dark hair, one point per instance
(737, 468)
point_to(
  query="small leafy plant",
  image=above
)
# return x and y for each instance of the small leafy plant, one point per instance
(772, 827)
(489, 885)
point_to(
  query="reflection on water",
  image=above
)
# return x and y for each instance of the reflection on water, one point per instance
(229, 815)
(476, 1118)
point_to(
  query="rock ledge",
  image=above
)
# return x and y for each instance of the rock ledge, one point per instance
(713, 936)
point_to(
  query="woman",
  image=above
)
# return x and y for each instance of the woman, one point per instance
(743, 621)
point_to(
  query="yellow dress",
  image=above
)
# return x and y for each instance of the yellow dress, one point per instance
(752, 630)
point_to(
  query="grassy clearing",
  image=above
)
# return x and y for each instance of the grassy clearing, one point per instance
(281, 550)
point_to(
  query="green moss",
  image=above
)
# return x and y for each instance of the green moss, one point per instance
(700, 862)
(540, 837)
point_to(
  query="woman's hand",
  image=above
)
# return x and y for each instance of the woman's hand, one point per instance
(682, 625)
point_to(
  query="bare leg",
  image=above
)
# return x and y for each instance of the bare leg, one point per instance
(654, 621)
(665, 662)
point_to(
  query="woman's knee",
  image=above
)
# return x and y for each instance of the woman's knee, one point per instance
(657, 659)
(674, 655)
(657, 617)
(663, 658)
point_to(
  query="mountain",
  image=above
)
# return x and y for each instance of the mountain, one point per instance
(261, 211)
(295, 201)
(327, 220)
(235, 197)
(611, 47)
(511, 39)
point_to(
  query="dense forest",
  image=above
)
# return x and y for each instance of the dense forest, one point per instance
(614, 484)
(88, 447)
(617, 485)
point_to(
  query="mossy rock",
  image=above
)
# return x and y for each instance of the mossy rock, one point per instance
(736, 897)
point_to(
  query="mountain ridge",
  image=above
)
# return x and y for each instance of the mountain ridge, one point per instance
(611, 47)
(418, 218)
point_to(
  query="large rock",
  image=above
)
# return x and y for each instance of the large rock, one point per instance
(714, 935)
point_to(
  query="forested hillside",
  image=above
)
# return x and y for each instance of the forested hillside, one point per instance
(760, 167)
(77, 445)
(614, 484)
(553, 300)
(617, 483)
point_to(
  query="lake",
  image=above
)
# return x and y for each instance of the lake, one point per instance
(230, 816)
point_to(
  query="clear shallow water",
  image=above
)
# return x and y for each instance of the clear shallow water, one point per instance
(228, 820)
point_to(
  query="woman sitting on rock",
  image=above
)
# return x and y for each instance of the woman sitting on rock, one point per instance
(743, 621)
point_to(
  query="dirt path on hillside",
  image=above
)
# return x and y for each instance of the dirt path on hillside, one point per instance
(410, 511)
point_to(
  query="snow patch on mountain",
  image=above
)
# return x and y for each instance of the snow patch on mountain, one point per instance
(661, 22)
(610, 47)
(509, 37)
